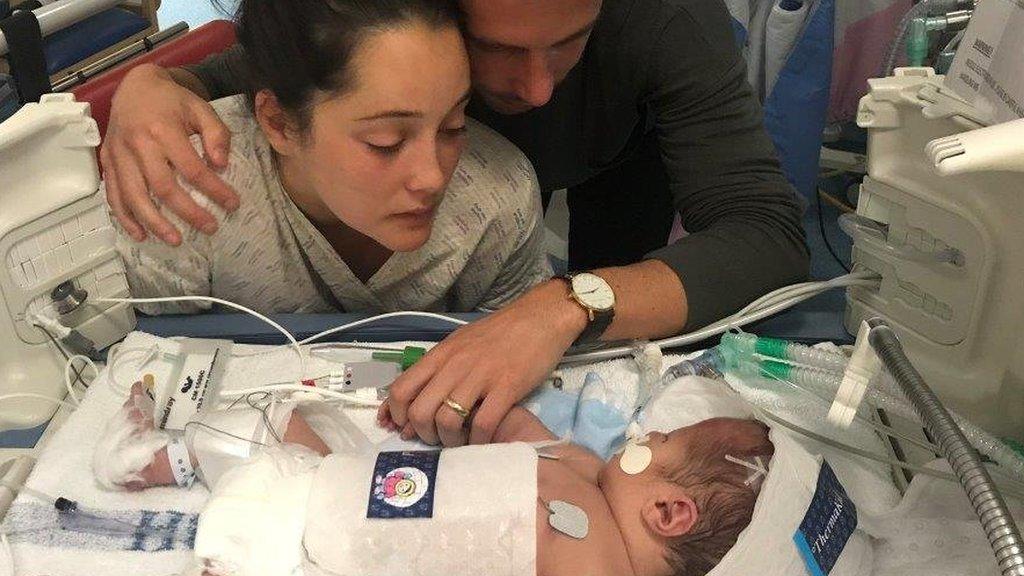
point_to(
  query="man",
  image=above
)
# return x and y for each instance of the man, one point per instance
(639, 107)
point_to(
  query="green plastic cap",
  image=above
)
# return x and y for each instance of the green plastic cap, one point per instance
(407, 357)
(917, 42)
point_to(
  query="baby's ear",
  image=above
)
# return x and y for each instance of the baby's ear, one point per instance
(670, 512)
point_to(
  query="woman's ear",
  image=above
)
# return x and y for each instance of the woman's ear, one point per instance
(277, 125)
(670, 512)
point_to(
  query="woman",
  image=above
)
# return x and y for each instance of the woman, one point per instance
(347, 152)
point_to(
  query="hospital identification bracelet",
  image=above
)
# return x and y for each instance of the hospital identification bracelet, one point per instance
(181, 462)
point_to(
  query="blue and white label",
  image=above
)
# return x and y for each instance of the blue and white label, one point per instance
(403, 485)
(828, 524)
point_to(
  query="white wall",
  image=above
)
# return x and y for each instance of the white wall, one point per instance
(195, 12)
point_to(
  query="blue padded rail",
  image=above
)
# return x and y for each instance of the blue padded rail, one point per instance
(90, 36)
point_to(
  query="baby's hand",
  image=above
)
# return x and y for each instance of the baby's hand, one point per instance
(384, 419)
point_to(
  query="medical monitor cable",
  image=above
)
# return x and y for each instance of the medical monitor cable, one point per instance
(288, 335)
(768, 305)
(69, 360)
(67, 381)
(824, 236)
(763, 307)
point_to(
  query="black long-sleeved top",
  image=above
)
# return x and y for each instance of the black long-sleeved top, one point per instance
(671, 67)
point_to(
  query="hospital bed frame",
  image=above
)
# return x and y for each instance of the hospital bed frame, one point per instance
(62, 14)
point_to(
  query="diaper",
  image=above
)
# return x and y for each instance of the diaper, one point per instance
(253, 523)
(469, 510)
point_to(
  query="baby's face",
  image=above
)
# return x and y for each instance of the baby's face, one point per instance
(669, 453)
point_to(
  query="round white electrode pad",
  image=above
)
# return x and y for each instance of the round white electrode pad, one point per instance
(635, 458)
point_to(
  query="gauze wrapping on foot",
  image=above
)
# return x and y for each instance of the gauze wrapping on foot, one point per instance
(255, 518)
(128, 445)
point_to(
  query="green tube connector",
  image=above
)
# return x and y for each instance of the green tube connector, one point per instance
(740, 343)
(767, 369)
(1015, 446)
(744, 344)
(407, 357)
(917, 42)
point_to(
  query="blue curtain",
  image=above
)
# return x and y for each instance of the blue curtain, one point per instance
(796, 109)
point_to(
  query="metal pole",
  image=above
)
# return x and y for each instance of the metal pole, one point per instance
(59, 15)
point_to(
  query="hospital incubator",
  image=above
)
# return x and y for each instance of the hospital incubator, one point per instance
(56, 249)
(938, 218)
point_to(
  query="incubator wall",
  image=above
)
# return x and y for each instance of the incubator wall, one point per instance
(948, 249)
(54, 228)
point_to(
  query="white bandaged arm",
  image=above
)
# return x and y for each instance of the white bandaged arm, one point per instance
(219, 439)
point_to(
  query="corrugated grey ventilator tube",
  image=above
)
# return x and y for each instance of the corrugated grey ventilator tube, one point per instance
(988, 503)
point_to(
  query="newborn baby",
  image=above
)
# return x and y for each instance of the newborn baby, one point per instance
(673, 508)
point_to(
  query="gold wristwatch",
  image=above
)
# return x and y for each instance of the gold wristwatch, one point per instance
(596, 296)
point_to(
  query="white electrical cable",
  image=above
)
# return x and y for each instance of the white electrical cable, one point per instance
(763, 307)
(349, 397)
(114, 358)
(294, 343)
(766, 306)
(67, 374)
(358, 323)
(356, 346)
(363, 322)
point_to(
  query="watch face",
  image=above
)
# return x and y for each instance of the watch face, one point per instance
(593, 291)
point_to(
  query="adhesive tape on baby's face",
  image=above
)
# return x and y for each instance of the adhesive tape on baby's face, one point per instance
(635, 458)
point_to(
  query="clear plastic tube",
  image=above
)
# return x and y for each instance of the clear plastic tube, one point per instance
(825, 385)
(919, 10)
(709, 363)
(1009, 461)
(812, 380)
(822, 387)
(749, 345)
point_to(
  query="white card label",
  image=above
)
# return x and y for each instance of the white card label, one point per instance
(987, 68)
(199, 367)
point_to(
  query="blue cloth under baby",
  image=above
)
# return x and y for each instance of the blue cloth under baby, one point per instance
(596, 417)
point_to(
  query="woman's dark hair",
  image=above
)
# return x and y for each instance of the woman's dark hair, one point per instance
(296, 48)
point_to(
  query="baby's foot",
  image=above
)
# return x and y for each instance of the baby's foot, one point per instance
(132, 454)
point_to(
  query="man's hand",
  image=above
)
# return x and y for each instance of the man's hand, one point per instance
(147, 144)
(490, 365)
(486, 367)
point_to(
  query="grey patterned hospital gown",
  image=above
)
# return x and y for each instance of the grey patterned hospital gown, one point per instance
(485, 249)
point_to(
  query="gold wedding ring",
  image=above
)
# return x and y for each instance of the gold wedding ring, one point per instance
(462, 412)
